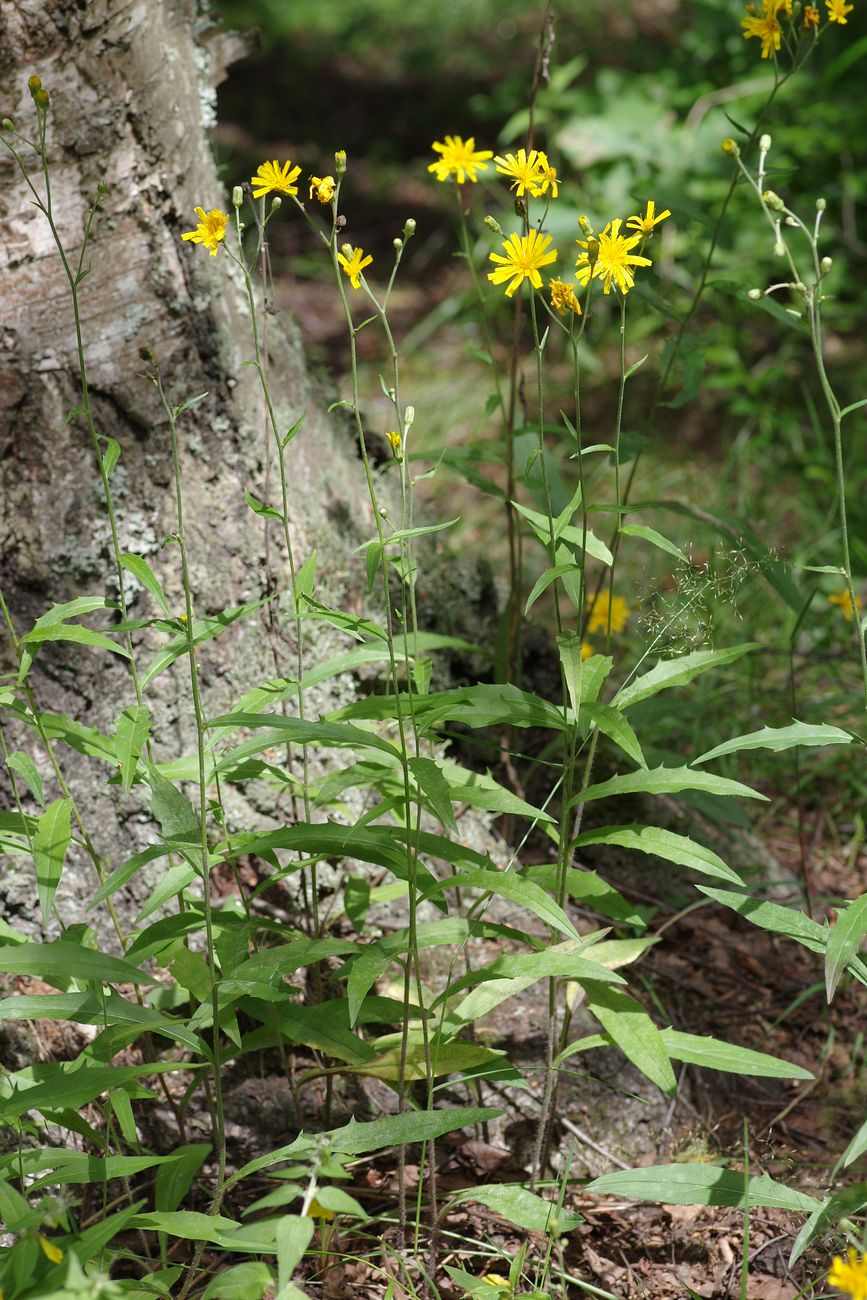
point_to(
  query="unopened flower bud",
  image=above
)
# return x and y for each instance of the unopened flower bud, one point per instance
(791, 221)
(346, 250)
(8, 124)
(397, 244)
(34, 83)
(765, 143)
(773, 201)
(340, 161)
(408, 416)
(237, 196)
(800, 288)
(41, 98)
(755, 294)
(779, 249)
(520, 208)
(102, 188)
(584, 223)
(821, 205)
(493, 224)
(826, 264)
(383, 512)
(730, 147)
(409, 228)
(276, 203)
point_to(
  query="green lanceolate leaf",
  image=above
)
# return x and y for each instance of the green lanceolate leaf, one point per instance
(508, 884)
(678, 672)
(570, 960)
(523, 1208)
(302, 731)
(131, 732)
(65, 960)
(613, 724)
(432, 782)
(175, 1178)
(445, 1058)
(665, 780)
(141, 570)
(669, 846)
(204, 629)
(65, 1087)
(779, 738)
(567, 533)
(247, 1281)
(713, 1054)
(655, 539)
(631, 1028)
(844, 941)
(23, 765)
(50, 842)
(702, 1185)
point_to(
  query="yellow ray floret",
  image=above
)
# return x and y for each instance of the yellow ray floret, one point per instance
(459, 158)
(272, 177)
(527, 171)
(837, 10)
(524, 255)
(353, 262)
(609, 258)
(849, 1275)
(210, 231)
(644, 225)
(767, 29)
(322, 188)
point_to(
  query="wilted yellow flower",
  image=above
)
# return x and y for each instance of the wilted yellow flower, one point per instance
(598, 618)
(501, 1285)
(837, 10)
(317, 1211)
(548, 176)
(322, 188)
(210, 231)
(525, 254)
(396, 443)
(460, 158)
(850, 1275)
(563, 297)
(527, 172)
(844, 600)
(730, 147)
(644, 225)
(614, 259)
(49, 1250)
(811, 16)
(353, 262)
(767, 28)
(272, 177)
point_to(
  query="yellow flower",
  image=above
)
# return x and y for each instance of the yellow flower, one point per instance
(460, 158)
(271, 176)
(502, 1285)
(586, 650)
(548, 176)
(811, 16)
(317, 1211)
(644, 225)
(211, 229)
(396, 443)
(49, 1250)
(527, 172)
(850, 1275)
(767, 29)
(614, 259)
(525, 254)
(598, 618)
(353, 262)
(837, 10)
(563, 297)
(844, 600)
(322, 188)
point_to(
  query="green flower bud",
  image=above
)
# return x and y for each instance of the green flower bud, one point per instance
(397, 244)
(409, 229)
(584, 223)
(779, 249)
(826, 264)
(408, 416)
(8, 124)
(276, 203)
(773, 201)
(34, 83)
(102, 188)
(755, 294)
(41, 99)
(237, 196)
(730, 147)
(821, 205)
(765, 143)
(493, 224)
(340, 162)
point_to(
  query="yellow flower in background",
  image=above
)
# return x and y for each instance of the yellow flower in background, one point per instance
(548, 176)
(598, 619)
(850, 1275)
(844, 600)
(322, 188)
(353, 262)
(766, 28)
(501, 1285)
(525, 254)
(837, 10)
(526, 171)
(586, 650)
(615, 259)
(460, 159)
(811, 17)
(272, 177)
(563, 297)
(210, 231)
(644, 225)
(49, 1250)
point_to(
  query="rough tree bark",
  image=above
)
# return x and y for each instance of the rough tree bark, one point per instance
(132, 97)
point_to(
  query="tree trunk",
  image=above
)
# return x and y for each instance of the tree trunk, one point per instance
(132, 97)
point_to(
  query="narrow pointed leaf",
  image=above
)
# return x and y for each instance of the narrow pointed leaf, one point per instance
(779, 738)
(664, 844)
(678, 672)
(131, 732)
(50, 842)
(702, 1185)
(847, 935)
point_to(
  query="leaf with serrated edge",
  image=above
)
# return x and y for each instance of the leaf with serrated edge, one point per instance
(660, 843)
(780, 738)
(844, 941)
(678, 672)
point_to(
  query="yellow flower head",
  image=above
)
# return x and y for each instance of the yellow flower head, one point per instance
(563, 298)
(501, 1285)
(837, 10)
(524, 255)
(322, 188)
(353, 262)
(271, 177)
(528, 172)
(317, 1211)
(460, 158)
(49, 1250)
(614, 259)
(396, 443)
(644, 225)
(586, 650)
(811, 17)
(598, 617)
(767, 29)
(844, 600)
(548, 176)
(850, 1275)
(210, 231)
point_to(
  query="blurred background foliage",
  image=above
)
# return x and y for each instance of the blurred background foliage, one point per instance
(640, 96)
